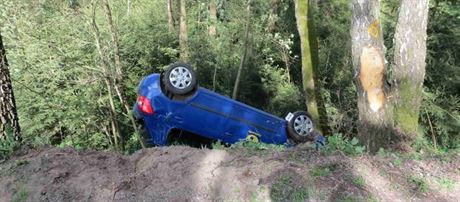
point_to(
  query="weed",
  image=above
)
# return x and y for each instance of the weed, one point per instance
(372, 199)
(20, 195)
(358, 181)
(446, 183)
(419, 183)
(258, 148)
(381, 152)
(7, 147)
(285, 189)
(320, 172)
(397, 161)
(218, 145)
(338, 143)
(348, 199)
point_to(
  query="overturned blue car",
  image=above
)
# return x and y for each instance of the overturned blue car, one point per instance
(173, 100)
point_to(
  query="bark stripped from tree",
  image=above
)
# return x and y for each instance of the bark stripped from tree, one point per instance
(409, 69)
(245, 51)
(212, 30)
(308, 80)
(375, 123)
(8, 112)
(169, 10)
(183, 35)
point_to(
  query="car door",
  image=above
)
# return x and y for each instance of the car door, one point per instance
(246, 120)
(206, 114)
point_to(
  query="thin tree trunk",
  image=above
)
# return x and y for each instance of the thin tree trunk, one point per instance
(308, 66)
(118, 84)
(245, 51)
(375, 121)
(409, 70)
(272, 16)
(214, 79)
(107, 80)
(169, 10)
(213, 19)
(183, 35)
(128, 11)
(8, 111)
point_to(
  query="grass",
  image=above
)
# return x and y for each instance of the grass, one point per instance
(21, 195)
(320, 171)
(284, 189)
(446, 183)
(419, 183)
(358, 181)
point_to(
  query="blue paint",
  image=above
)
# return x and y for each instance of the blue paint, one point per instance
(208, 114)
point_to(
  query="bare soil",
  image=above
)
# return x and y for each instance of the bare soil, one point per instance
(180, 173)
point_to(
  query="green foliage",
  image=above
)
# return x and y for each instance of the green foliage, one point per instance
(358, 181)
(63, 101)
(338, 143)
(8, 146)
(21, 195)
(258, 147)
(320, 171)
(446, 183)
(418, 183)
(441, 111)
(285, 189)
(218, 145)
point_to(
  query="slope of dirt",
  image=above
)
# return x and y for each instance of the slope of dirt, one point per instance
(180, 173)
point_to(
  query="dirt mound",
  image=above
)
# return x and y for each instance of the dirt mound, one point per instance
(181, 173)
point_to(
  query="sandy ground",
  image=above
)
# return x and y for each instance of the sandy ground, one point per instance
(180, 173)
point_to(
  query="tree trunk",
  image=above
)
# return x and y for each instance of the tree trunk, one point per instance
(128, 10)
(8, 112)
(107, 77)
(272, 16)
(409, 69)
(169, 10)
(308, 67)
(375, 121)
(118, 84)
(245, 51)
(183, 35)
(213, 19)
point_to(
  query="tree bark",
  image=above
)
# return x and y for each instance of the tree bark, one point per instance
(128, 10)
(169, 10)
(375, 120)
(118, 84)
(245, 51)
(409, 69)
(183, 35)
(213, 19)
(272, 16)
(8, 111)
(107, 77)
(308, 66)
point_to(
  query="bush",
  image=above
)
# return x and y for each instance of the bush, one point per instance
(338, 143)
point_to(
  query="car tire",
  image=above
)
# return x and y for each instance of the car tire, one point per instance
(300, 127)
(180, 79)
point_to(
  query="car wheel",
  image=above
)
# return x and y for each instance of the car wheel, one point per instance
(300, 127)
(180, 79)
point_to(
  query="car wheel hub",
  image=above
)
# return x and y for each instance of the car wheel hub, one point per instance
(303, 125)
(180, 77)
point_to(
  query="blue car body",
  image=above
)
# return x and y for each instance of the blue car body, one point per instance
(206, 113)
